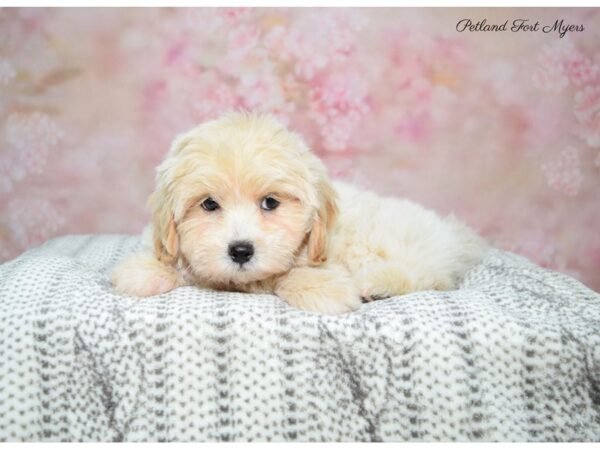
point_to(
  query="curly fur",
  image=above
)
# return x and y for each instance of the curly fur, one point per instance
(324, 248)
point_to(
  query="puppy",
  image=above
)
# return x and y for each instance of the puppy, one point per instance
(242, 204)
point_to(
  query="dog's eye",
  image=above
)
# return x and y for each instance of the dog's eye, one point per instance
(209, 204)
(269, 203)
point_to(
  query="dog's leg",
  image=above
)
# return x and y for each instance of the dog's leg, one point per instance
(328, 291)
(384, 279)
(142, 275)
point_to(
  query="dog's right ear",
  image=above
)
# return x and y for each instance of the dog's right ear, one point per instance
(166, 239)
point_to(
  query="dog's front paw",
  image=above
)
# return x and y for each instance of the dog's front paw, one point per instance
(142, 275)
(326, 291)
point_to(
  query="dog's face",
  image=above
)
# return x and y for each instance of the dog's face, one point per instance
(238, 198)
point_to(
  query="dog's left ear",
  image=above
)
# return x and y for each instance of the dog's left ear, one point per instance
(322, 223)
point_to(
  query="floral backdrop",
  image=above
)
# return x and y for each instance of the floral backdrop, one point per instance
(501, 128)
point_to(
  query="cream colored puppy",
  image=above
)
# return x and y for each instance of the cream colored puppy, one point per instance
(242, 204)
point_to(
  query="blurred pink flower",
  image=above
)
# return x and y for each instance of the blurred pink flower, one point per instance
(179, 103)
(552, 78)
(242, 40)
(337, 104)
(29, 138)
(405, 56)
(562, 62)
(244, 54)
(414, 127)
(587, 103)
(211, 96)
(553, 62)
(587, 112)
(208, 20)
(563, 173)
(414, 117)
(451, 50)
(582, 71)
(175, 53)
(273, 40)
(32, 221)
(263, 91)
(235, 15)
(499, 77)
(318, 39)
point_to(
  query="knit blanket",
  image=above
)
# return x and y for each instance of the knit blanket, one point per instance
(513, 355)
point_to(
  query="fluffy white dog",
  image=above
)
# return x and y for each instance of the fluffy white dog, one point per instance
(242, 204)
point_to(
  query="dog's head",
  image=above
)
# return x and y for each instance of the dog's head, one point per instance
(238, 198)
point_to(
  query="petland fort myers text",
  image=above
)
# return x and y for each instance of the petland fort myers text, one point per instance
(519, 25)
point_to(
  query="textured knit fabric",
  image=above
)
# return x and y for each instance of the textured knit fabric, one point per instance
(514, 354)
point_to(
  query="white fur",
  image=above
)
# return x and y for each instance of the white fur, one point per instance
(393, 246)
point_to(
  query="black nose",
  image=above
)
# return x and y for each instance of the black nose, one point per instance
(241, 251)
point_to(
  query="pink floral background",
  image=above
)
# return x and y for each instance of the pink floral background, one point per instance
(503, 129)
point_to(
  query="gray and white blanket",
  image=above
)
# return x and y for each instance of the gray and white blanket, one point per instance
(514, 355)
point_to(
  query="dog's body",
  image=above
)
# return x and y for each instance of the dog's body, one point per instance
(241, 204)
